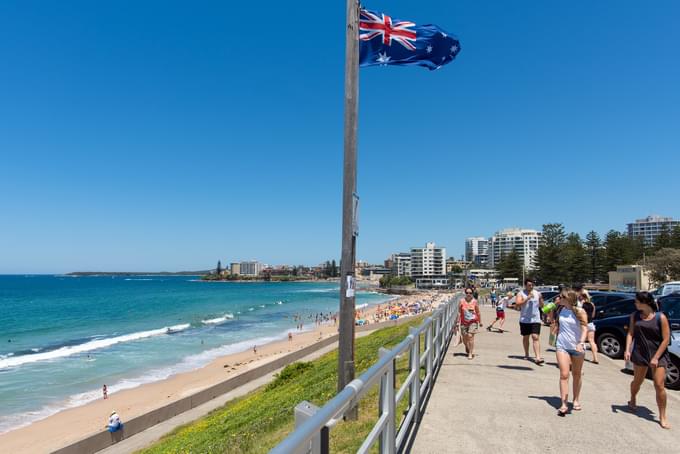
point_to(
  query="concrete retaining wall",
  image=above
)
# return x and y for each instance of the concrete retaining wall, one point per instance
(104, 439)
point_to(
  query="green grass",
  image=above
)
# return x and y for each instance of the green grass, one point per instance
(258, 421)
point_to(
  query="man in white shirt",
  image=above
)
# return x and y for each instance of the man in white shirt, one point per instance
(114, 424)
(530, 301)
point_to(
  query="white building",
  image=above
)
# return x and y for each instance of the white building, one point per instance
(477, 250)
(428, 266)
(650, 227)
(252, 268)
(401, 264)
(523, 241)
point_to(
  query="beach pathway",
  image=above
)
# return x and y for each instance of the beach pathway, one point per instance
(500, 402)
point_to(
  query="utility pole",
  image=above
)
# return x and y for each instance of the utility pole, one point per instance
(349, 200)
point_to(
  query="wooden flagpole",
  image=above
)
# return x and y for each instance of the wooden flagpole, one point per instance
(349, 200)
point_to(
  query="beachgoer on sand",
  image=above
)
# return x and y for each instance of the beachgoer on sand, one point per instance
(105, 392)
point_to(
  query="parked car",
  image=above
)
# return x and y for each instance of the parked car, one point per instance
(620, 307)
(610, 336)
(667, 289)
(610, 304)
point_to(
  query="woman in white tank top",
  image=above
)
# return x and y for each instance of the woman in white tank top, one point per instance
(571, 330)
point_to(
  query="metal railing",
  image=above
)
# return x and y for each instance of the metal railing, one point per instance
(313, 424)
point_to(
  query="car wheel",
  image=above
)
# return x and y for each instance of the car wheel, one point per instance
(610, 345)
(673, 373)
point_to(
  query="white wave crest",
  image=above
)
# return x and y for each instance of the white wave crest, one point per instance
(88, 346)
(192, 362)
(319, 290)
(218, 320)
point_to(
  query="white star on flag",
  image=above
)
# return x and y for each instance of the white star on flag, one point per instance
(383, 58)
(454, 48)
(429, 49)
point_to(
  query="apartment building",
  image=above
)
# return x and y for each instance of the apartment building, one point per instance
(401, 264)
(477, 251)
(650, 227)
(523, 241)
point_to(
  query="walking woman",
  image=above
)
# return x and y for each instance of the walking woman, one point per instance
(470, 321)
(647, 346)
(588, 306)
(571, 330)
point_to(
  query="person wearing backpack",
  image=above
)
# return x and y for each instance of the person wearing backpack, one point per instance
(647, 343)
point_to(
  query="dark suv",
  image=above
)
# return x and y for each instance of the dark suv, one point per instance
(610, 304)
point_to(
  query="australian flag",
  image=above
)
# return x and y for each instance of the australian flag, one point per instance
(388, 41)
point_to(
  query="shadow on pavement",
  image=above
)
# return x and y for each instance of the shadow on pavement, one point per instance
(518, 357)
(641, 412)
(553, 401)
(515, 367)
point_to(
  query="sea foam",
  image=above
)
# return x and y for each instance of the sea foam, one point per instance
(192, 362)
(88, 346)
(218, 320)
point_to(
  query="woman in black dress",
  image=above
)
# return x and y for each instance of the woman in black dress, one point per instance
(647, 346)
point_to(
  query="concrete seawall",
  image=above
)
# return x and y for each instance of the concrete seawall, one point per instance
(104, 439)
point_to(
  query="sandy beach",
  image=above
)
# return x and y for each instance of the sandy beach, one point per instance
(73, 424)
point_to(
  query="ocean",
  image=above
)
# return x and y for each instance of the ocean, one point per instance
(62, 338)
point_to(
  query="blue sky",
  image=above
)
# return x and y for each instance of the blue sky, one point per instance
(164, 136)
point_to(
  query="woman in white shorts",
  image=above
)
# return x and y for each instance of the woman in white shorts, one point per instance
(570, 329)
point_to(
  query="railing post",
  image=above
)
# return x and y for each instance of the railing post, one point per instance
(437, 339)
(430, 347)
(387, 406)
(415, 366)
(442, 334)
(319, 444)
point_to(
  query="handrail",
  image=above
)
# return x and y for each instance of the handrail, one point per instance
(312, 424)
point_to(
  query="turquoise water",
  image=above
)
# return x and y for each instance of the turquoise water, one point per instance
(62, 337)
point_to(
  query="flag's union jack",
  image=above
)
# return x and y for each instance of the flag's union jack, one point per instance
(372, 25)
(422, 45)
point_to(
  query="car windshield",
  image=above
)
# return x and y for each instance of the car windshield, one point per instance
(670, 288)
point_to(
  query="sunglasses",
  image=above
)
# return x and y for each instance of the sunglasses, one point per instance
(468, 293)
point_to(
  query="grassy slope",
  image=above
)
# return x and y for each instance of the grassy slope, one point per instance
(258, 421)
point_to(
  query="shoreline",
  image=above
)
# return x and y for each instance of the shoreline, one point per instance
(48, 434)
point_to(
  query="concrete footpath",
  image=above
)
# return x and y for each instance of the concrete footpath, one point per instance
(500, 402)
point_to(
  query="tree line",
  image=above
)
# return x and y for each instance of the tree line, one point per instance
(567, 258)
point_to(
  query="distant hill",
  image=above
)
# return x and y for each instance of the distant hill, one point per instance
(138, 273)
